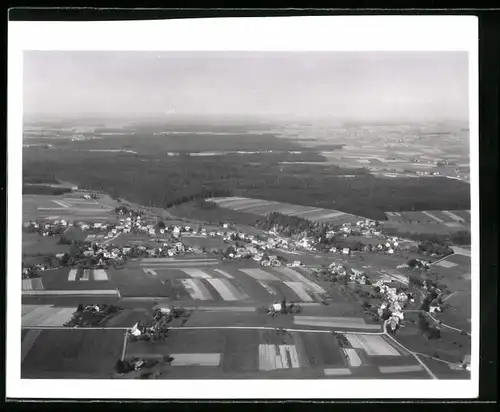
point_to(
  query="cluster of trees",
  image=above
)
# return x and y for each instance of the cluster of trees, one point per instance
(417, 264)
(123, 210)
(340, 242)
(430, 248)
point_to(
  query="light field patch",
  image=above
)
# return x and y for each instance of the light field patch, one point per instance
(100, 275)
(148, 271)
(337, 372)
(32, 284)
(299, 289)
(292, 274)
(400, 369)
(352, 357)
(437, 219)
(268, 288)
(196, 273)
(72, 275)
(330, 216)
(63, 204)
(454, 224)
(226, 290)
(304, 212)
(446, 264)
(225, 274)
(373, 345)
(196, 359)
(273, 357)
(259, 274)
(453, 216)
(86, 275)
(196, 289)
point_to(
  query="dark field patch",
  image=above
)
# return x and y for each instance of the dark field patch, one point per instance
(66, 354)
(240, 351)
(322, 350)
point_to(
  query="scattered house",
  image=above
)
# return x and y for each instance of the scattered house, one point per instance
(345, 251)
(434, 309)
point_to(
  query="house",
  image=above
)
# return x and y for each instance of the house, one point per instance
(345, 251)
(434, 309)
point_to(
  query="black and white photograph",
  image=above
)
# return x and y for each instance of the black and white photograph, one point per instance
(245, 215)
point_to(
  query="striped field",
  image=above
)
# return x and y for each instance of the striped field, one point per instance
(264, 207)
(373, 345)
(35, 315)
(459, 219)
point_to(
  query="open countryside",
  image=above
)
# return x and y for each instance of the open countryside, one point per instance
(243, 246)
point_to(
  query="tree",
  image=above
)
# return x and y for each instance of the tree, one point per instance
(161, 224)
(65, 259)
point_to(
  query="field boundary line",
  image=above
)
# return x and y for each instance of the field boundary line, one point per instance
(125, 340)
(76, 328)
(438, 322)
(443, 258)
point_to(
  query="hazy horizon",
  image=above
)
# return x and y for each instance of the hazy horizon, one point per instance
(349, 86)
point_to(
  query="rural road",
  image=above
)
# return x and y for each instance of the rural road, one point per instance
(429, 372)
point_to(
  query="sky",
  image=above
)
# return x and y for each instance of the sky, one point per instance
(342, 85)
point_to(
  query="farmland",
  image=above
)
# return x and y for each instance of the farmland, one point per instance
(455, 271)
(229, 332)
(222, 295)
(71, 354)
(68, 206)
(263, 208)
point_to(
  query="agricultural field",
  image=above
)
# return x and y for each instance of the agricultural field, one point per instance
(452, 345)
(70, 206)
(70, 354)
(242, 353)
(402, 228)
(36, 245)
(205, 279)
(455, 271)
(214, 215)
(264, 207)
(276, 354)
(453, 220)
